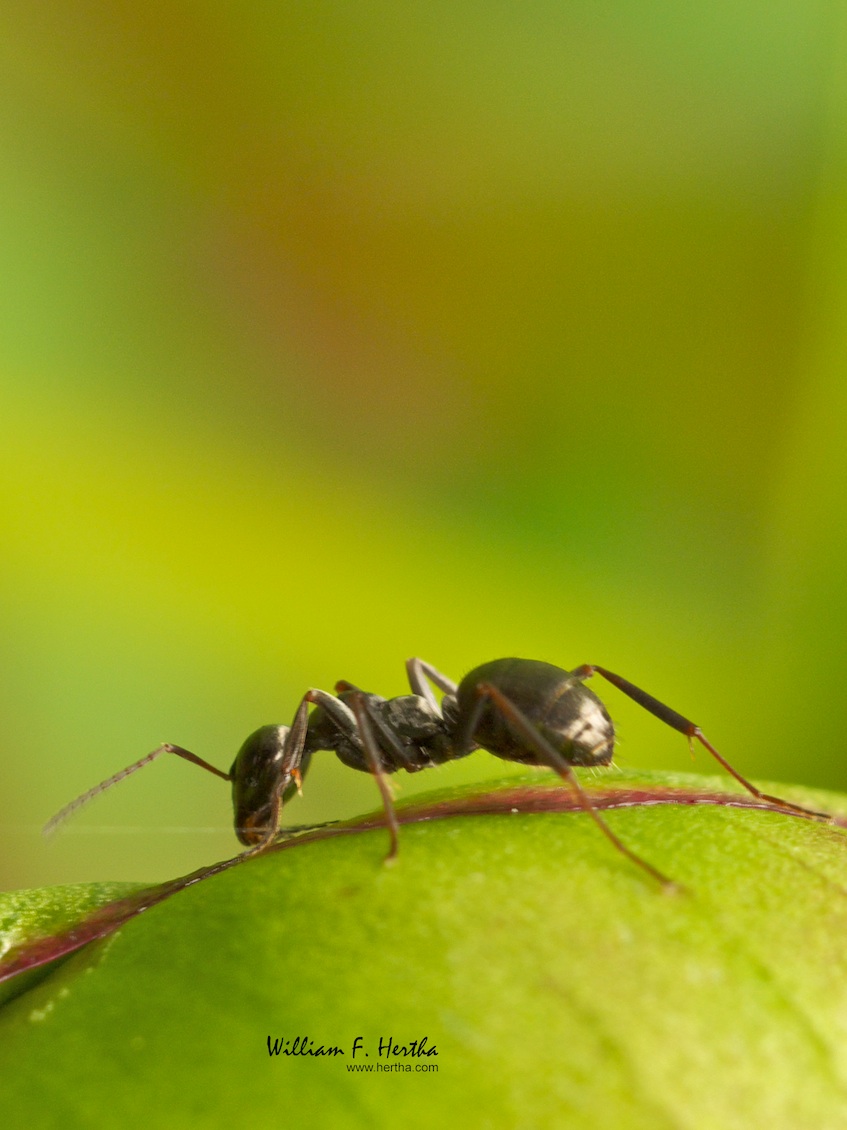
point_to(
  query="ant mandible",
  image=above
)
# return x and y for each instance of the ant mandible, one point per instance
(521, 710)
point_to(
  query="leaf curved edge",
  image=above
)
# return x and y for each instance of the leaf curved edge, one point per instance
(40, 928)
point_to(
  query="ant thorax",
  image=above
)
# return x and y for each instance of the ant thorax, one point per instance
(419, 725)
(411, 717)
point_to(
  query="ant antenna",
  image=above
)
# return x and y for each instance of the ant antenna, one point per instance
(166, 747)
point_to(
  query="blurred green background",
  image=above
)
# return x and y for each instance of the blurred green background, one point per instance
(334, 333)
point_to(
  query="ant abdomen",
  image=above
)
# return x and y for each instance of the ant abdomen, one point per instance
(557, 703)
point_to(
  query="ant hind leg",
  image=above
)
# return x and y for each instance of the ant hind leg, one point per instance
(693, 732)
(524, 729)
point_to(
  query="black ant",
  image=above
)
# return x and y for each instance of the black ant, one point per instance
(519, 709)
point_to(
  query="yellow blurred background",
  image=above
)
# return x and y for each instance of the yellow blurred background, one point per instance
(335, 333)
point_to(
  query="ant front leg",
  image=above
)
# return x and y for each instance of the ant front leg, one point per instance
(356, 725)
(692, 732)
(547, 755)
(272, 762)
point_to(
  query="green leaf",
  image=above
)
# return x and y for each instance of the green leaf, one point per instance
(557, 983)
(31, 920)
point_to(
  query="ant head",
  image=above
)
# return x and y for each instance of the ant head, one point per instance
(257, 775)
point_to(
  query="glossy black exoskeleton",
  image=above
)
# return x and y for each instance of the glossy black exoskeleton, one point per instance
(522, 710)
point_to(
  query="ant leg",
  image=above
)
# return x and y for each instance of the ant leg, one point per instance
(692, 732)
(294, 749)
(357, 725)
(166, 747)
(525, 730)
(289, 769)
(372, 752)
(401, 754)
(272, 828)
(419, 671)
